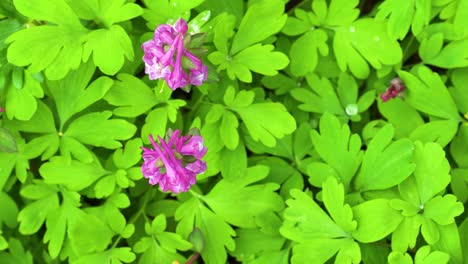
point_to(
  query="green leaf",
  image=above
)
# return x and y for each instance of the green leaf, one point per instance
(7, 141)
(279, 168)
(424, 255)
(347, 89)
(459, 147)
(401, 115)
(243, 99)
(98, 130)
(318, 172)
(153, 252)
(72, 94)
(431, 46)
(17, 77)
(33, 215)
(129, 156)
(17, 254)
(453, 55)
(257, 58)
(407, 208)
(107, 12)
(8, 210)
(337, 147)
(218, 234)
(432, 170)
(296, 25)
(304, 220)
(238, 202)
(233, 165)
(114, 255)
(253, 244)
(319, 98)
(463, 234)
(41, 122)
(155, 123)
(3, 243)
(438, 131)
(340, 12)
(21, 103)
(228, 130)
(58, 221)
(58, 12)
(82, 234)
(385, 163)
(373, 253)
(109, 47)
(72, 174)
(71, 147)
(459, 19)
(333, 198)
(321, 250)
(281, 83)
(365, 40)
(443, 209)
(55, 49)
(376, 220)
(406, 233)
(399, 258)
(427, 93)
(402, 14)
(168, 240)
(449, 242)
(223, 31)
(131, 96)
(267, 121)
(164, 11)
(263, 19)
(105, 186)
(429, 231)
(459, 185)
(459, 79)
(215, 113)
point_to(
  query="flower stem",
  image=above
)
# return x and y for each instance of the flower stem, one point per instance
(193, 258)
(137, 215)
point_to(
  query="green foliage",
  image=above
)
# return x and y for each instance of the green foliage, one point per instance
(261, 20)
(306, 163)
(63, 45)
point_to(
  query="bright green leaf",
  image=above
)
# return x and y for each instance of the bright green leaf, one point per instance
(262, 19)
(376, 220)
(98, 130)
(73, 174)
(267, 121)
(385, 163)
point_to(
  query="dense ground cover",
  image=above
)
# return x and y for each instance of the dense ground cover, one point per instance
(263, 131)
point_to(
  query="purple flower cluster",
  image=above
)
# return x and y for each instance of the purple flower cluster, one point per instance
(175, 163)
(395, 89)
(164, 55)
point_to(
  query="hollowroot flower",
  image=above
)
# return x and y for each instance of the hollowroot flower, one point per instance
(396, 88)
(167, 56)
(175, 162)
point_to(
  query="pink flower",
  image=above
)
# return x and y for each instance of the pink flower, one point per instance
(164, 53)
(396, 88)
(199, 73)
(193, 146)
(166, 164)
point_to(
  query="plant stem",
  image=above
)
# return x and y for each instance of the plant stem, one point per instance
(137, 215)
(193, 258)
